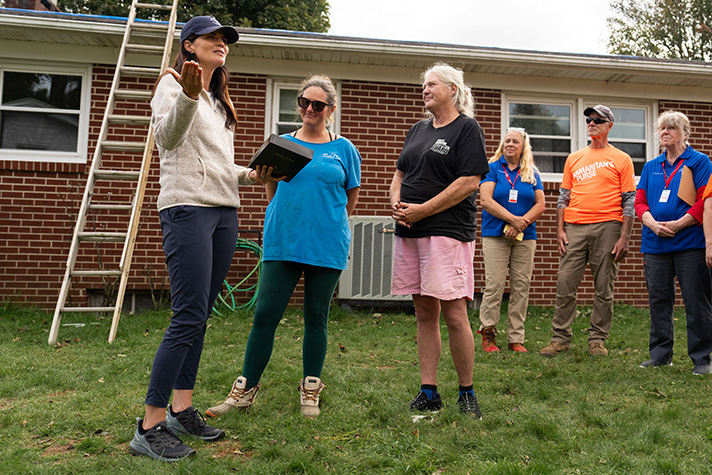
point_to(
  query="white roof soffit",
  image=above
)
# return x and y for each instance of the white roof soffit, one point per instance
(299, 46)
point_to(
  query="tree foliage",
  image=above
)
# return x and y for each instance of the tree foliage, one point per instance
(295, 15)
(678, 29)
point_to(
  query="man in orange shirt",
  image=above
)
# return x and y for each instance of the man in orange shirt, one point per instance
(594, 217)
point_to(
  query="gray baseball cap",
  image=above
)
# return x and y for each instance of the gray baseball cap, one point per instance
(601, 109)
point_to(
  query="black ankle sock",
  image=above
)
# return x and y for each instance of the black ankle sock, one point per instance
(430, 390)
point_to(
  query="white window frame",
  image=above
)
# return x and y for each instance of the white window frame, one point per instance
(274, 86)
(579, 136)
(84, 71)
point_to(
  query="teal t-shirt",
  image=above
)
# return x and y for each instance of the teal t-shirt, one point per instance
(306, 221)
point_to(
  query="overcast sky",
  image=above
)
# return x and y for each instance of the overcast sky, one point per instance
(568, 26)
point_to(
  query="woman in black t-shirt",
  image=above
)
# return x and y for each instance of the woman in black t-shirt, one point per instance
(433, 202)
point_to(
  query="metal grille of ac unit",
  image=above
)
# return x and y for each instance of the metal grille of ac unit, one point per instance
(368, 276)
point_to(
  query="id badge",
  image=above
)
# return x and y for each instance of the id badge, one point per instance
(513, 196)
(664, 196)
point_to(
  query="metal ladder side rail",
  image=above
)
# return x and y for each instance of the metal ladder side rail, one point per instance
(127, 254)
(88, 191)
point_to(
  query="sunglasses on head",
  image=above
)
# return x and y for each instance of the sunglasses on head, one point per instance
(318, 106)
(596, 120)
(521, 130)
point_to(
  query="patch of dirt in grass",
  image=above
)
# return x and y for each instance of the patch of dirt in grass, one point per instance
(229, 448)
(7, 403)
(51, 448)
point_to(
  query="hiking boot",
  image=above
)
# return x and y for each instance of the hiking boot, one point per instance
(468, 405)
(518, 347)
(554, 349)
(702, 369)
(309, 390)
(239, 397)
(423, 403)
(488, 339)
(192, 422)
(596, 348)
(654, 364)
(159, 443)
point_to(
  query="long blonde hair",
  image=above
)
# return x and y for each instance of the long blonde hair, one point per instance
(526, 161)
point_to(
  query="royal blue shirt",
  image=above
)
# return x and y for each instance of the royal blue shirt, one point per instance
(306, 221)
(526, 196)
(652, 181)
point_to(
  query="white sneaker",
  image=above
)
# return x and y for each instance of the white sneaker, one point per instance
(239, 397)
(309, 390)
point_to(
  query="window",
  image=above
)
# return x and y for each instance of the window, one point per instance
(282, 114)
(556, 128)
(549, 129)
(43, 115)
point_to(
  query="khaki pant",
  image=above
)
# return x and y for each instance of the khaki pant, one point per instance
(592, 244)
(501, 254)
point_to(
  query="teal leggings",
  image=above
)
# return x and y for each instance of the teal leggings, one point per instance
(277, 282)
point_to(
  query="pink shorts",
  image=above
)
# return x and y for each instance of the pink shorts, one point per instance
(436, 266)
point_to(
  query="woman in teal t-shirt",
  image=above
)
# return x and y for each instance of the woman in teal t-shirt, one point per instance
(306, 233)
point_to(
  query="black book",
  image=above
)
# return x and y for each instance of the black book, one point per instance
(286, 157)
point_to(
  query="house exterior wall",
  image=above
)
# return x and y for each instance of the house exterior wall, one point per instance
(39, 201)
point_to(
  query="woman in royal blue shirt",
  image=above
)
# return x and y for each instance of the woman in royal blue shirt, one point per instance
(673, 244)
(512, 198)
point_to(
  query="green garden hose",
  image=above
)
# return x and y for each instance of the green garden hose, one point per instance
(226, 301)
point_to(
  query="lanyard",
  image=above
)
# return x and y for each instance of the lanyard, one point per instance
(667, 180)
(506, 173)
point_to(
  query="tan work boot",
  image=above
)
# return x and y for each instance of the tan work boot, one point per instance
(309, 390)
(239, 397)
(596, 348)
(554, 349)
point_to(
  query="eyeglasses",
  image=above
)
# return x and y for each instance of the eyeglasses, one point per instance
(521, 130)
(596, 120)
(318, 106)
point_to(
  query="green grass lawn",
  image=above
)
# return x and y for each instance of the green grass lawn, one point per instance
(71, 408)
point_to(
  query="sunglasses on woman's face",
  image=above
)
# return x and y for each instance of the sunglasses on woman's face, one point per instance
(318, 106)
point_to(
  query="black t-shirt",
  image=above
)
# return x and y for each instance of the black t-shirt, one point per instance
(431, 160)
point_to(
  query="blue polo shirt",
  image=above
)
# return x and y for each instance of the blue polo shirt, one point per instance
(494, 227)
(652, 181)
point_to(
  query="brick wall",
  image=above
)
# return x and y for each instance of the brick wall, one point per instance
(39, 201)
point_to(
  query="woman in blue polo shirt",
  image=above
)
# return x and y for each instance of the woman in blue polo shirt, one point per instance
(512, 199)
(673, 243)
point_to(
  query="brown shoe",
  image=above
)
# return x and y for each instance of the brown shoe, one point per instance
(518, 347)
(554, 349)
(488, 339)
(596, 348)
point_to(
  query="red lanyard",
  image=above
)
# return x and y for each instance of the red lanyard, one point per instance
(667, 180)
(506, 173)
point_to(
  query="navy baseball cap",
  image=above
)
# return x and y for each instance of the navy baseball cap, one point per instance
(202, 25)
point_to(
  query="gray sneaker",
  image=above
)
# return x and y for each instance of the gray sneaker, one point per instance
(702, 369)
(159, 443)
(192, 422)
(654, 364)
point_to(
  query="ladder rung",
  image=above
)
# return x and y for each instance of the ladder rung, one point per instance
(129, 119)
(102, 237)
(117, 175)
(87, 309)
(141, 71)
(95, 273)
(154, 6)
(123, 146)
(149, 49)
(111, 207)
(136, 95)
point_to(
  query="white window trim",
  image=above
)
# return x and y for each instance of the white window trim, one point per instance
(272, 103)
(83, 70)
(579, 137)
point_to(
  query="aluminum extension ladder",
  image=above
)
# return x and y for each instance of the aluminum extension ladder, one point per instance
(122, 138)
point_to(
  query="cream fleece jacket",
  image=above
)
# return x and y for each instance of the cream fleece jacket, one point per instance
(196, 150)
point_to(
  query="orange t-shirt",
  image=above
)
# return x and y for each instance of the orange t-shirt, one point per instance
(708, 189)
(596, 178)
